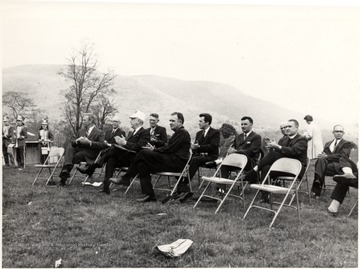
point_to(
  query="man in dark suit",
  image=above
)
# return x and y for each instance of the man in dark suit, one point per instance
(171, 158)
(293, 146)
(327, 163)
(348, 178)
(158, 136)
(115, 131)
(123, 152)
(205, 148)
(85, 148)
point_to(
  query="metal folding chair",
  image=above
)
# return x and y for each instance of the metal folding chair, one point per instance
(54, 154)
(180, 175)
(298, 183)
(352, 209)
(287, 165)
(237, 161)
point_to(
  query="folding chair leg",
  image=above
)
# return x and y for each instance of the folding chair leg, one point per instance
(202, 194)
(251, 204)
(131, 183)
(37, 176)
(352, 209)
(279, 209)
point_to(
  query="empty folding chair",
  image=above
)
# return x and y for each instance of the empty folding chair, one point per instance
(51, 163)
(287, 165)
(237, 161)
(179, 175)
(298, 183)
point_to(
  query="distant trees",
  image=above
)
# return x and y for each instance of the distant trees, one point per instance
(89, 90)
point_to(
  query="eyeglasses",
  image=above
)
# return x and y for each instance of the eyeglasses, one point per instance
(287, 126)
(338, 131)
(282, 128)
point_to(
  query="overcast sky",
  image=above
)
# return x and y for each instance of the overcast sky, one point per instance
(304, 58)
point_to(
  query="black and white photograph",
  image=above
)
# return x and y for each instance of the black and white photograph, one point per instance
(189, 134)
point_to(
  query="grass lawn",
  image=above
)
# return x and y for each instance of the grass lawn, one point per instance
(42, 224)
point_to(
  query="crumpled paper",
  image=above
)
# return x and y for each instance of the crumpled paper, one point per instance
(58, 263)
(175, 249)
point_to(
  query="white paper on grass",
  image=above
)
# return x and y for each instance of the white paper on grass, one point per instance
(176, 248)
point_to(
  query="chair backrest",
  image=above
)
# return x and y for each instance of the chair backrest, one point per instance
(287, 165)
(235, 160)
(55, 151)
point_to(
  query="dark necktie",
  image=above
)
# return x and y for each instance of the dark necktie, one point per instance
(203, 134)
(336, 143)
(245, 136)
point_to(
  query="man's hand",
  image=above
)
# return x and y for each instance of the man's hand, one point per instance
(231, 150)
(194, 146)
(148, 146)
(322, 155)
(273, 145)
(120, 140)
(83, 140)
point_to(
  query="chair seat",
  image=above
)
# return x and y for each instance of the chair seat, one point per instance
(285, 177)
(45, 165)
(270, 188)
(172, 174)
(220, 180)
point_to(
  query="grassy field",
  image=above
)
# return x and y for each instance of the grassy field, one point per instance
(88, 229)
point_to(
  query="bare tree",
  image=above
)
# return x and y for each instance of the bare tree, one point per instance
(18, 104)
(103, 109)
(88, 86)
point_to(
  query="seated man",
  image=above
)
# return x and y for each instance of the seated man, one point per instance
(205, 148)
(348, 178)
(247, 143)
(158, 136)
(293, 146)
(169, 158)
(84, 149)
(123, 152)
(115, 131)
(328, 161)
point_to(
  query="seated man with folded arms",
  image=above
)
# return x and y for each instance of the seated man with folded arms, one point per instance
(205, 149)
(327, 163)
(348, 178)
(247, 143)
(84, 149)
(293, 146)
(169, 158)
(158, 136)
(123, 152)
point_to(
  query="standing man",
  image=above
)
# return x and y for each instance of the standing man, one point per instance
(7, 134)
(293, 146)
(112, 133)
(85, 148)
(123, 151)
(328, 163)
(158, 136)
(205, 148)
(314, 138)
(171, 158)
(20, 136)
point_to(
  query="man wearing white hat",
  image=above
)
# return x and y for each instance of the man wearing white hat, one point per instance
(20, 136)
(123, 152)
(7, 134)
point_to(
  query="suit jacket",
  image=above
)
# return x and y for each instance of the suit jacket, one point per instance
(22, 136)
(342, 149)
(249, 146)
(110, 136)
(137, 141)
(178, 146)
(295, 148)
(159, 139)
(208, 144)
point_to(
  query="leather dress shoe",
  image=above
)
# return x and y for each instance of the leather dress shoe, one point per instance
(211, 164)
(120, 181)
(348, 179)
(146, 198)
(104, 191)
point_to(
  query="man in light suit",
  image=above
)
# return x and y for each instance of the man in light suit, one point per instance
(158, 136)
(328, 161)
(123, 152)
(293, 146)
(205, 148)
(85, 148)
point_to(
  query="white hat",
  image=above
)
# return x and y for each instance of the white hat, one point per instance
(138, 114)
(44, 121)
(20, 118)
